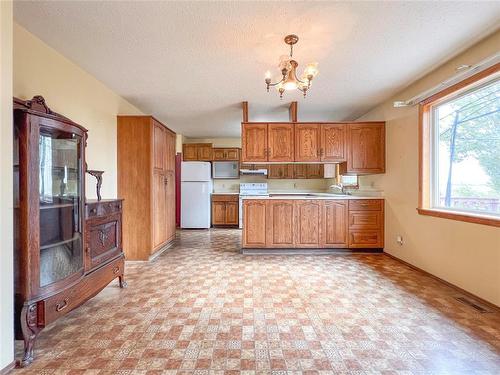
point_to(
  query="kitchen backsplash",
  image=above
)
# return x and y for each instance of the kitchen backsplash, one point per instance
(233, 185)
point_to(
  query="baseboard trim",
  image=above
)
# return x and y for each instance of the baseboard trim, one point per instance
(8, 368)
(161, 251)
(448, 284)
(291, 251)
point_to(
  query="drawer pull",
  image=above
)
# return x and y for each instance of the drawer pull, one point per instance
(93, 210)
(62, 305)
(116, 270)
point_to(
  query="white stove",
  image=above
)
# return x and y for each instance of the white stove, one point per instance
(251, 189)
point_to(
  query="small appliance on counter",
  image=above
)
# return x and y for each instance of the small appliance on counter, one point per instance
(251, 189)
(196, 187)
(225, 169)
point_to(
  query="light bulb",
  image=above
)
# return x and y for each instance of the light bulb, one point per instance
(268, 75)
(290, 85)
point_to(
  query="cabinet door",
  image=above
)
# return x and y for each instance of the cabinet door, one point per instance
(280, 228)
(218, 213)
(280, 142)
(205, 152)
(254, 142)
(334, 224)
(254, 223)
(232, 154)
(300, 171)
(219, 153)
(159, 208)
(170, 151)
(366, 148)
(332, 139)
(189, 152)
(307, 142)
(159, 147)
(308, 219)
(315, 171)
(232, 217)
(280, 171)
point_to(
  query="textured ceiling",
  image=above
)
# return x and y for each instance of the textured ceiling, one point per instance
(192, 63)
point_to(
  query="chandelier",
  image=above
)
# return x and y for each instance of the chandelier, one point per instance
(288, 67)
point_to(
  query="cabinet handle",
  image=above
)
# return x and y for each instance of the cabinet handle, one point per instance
(166, 180)
(321, 152)
(62, 305)
(116, 270)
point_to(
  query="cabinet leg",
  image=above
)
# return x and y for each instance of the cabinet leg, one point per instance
(30, 331)
(123, 283)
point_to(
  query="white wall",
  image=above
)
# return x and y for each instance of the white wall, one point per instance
(74, 93)
(6, 205)
(464, 254)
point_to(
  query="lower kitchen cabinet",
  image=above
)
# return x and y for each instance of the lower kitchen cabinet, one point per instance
(308, 223)
(255, 234)
(225, 210)
(334, 226)
(313, 223)
(280, 223)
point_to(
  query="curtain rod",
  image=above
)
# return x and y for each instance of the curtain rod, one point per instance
(464, 71)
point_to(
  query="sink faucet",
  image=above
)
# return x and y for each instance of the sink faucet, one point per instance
(341, 187)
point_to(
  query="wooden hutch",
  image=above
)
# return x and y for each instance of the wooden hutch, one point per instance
(66, 250)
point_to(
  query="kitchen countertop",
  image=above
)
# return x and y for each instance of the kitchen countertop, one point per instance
(309, 196)
(226, 193)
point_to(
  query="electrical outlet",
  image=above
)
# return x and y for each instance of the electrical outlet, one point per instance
(399, 240)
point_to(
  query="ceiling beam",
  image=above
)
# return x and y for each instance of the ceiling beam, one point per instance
(292, 110)
(244, 107)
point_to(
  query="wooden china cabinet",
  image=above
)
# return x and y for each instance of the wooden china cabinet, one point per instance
(65, 250)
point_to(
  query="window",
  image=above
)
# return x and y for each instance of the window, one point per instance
(460, 151)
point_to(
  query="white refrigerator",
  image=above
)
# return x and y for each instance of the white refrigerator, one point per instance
(196, 188)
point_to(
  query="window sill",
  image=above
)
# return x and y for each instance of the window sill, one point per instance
(461, 216)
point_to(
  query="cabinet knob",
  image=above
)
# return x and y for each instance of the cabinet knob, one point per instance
(116, 270)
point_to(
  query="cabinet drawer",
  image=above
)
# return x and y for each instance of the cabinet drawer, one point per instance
(102, 208)
(365, 220)
(92, 283)
(365, 239)
(225, 197)
(104, 239)
(366, 204)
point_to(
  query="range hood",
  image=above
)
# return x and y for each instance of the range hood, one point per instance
(253, 172)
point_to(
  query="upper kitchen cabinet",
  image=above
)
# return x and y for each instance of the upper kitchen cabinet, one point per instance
(280, 142)
(333, 142)
(197, 152)
(365, 148)
(254, 142)
(226, 154)
(307, 141)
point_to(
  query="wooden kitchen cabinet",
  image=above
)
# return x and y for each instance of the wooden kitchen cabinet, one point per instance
(313, 223)
(197, 152)
(307, 223)
(280, 171)
(307, 141)
(254, 142)
(280, 223)
(255, 215)
(366, 223)
(315, 171)
(334, 226)
(333, 142)
(365, 148)
(280, 142)
(226, 154)
(146, 180)
(225, 210)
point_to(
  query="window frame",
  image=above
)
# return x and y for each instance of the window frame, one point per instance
(427, 151)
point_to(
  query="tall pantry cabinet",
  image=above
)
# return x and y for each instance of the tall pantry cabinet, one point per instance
(146, 180)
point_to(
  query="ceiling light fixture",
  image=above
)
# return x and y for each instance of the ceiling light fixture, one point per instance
(288, 67)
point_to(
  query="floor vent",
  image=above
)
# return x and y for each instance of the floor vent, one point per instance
(476, 306)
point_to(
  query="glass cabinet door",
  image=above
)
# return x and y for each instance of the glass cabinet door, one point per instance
(60, 181)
